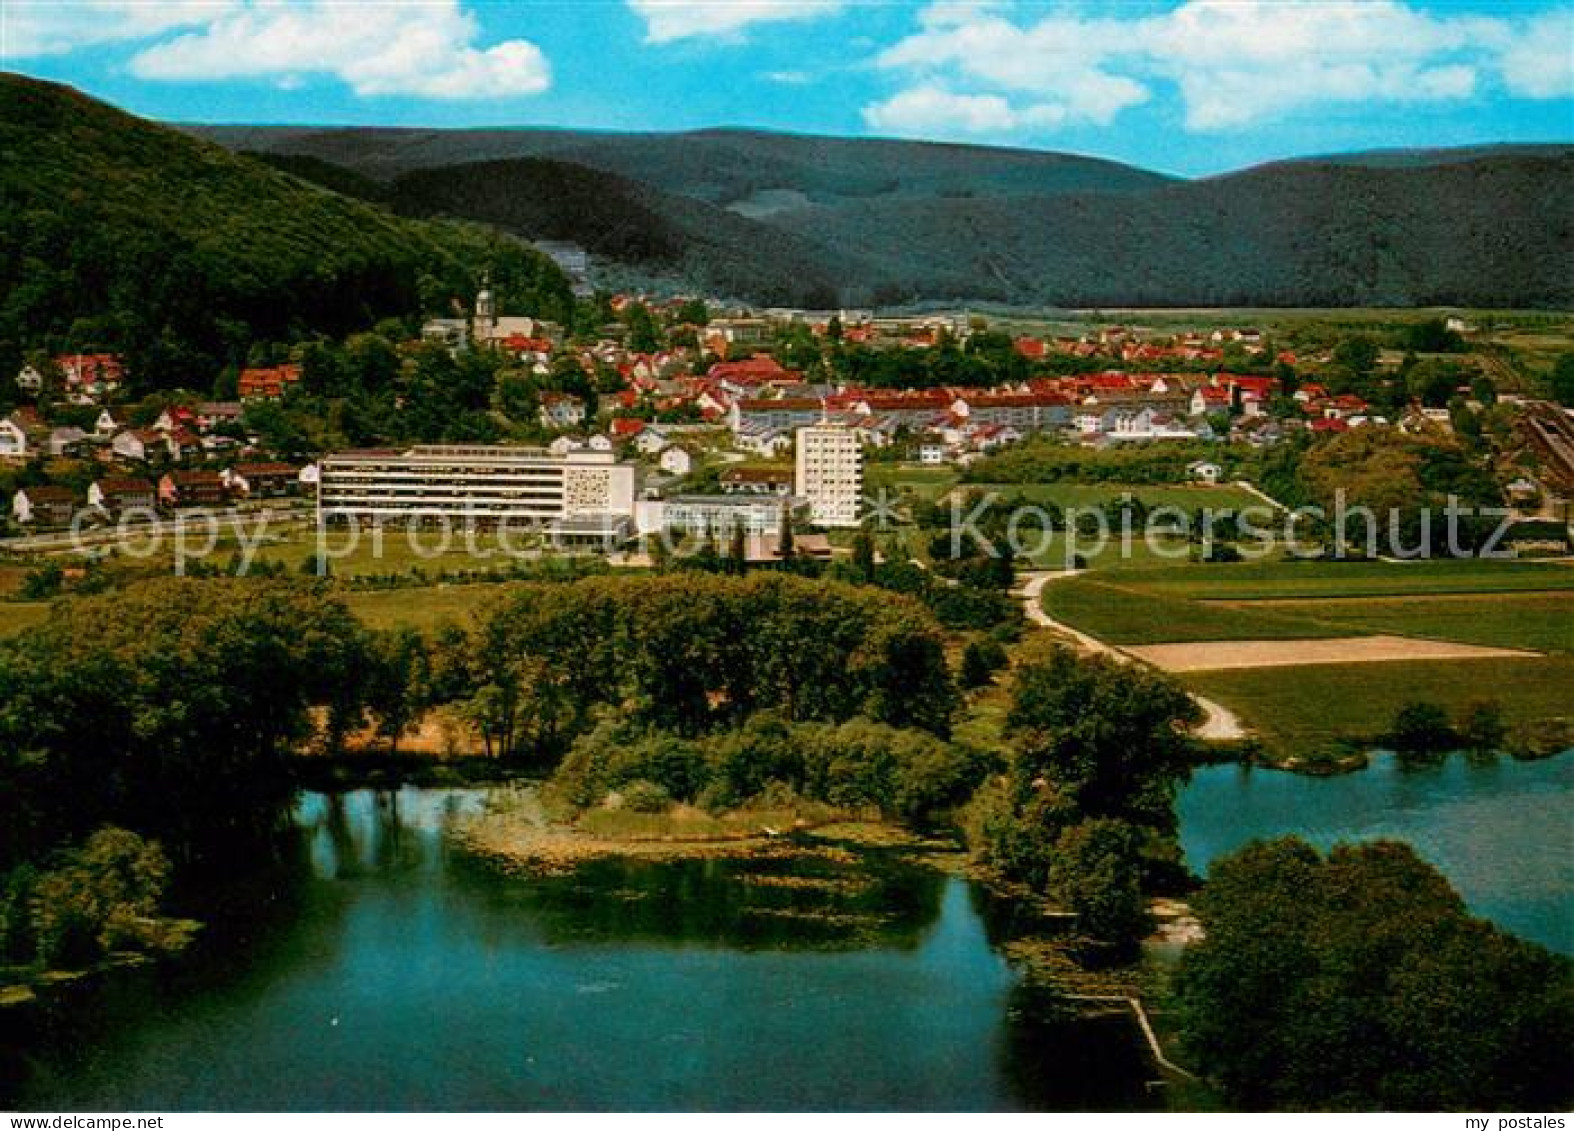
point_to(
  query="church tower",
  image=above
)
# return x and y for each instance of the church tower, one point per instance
(485, 307)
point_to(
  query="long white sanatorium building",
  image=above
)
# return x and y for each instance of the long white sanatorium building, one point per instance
(830, 474)
(580, 492)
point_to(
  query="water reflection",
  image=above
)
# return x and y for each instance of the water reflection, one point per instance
(382, 970)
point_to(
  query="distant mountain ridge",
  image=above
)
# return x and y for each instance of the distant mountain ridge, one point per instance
(791, 218)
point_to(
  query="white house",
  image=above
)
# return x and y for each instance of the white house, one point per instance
(136, 446)
(675, 460)
(562, 410)
(30, 380)
(1204, 471)
(105, 426)
(599, 443)
(650, 442)
(48, 505)
(66, 441)
(13, 438)
(563, 445)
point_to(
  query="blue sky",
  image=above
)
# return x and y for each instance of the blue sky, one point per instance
(1192, 87)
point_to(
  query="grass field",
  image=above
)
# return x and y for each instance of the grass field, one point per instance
(1540, 621)
(1297, 710)
(15, 616)
(425, 609)
(1270, 580)
(923, 481)
(1122, 613)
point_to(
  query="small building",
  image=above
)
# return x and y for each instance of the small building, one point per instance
(675, 460)
(720, 516)
(43, 506)
(67, 441)
(191, 489)
(261, 480)
(13, 439)
(562, 410)
(30, 380)
(1204, 471)
(116, 496)
(267, 383)
(757, 481)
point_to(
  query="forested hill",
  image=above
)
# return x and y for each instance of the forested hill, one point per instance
(653, 234)
(120, 233)
(894, 222)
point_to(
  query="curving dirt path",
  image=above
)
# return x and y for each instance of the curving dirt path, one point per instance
(1219, 722)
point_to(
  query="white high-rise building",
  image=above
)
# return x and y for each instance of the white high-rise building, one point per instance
(581, 494)
(830, 474)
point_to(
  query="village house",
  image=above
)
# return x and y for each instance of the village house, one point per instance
(117, 496)
(191, 489)
(266, 383)
(599, 443)
(13, 439)
(67, 441)
(1204, 471)
(105, 426)
(650, 441)
(761, 441)
(777, 413)
(675, 460)
(625, 428)
(757, 481)
(562, 410)
(261, 480)
(212, 414)
(30, 381)
(43, 506)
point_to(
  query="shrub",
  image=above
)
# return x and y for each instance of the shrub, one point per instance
(99, 897)
(1421, 728)
(646, 797)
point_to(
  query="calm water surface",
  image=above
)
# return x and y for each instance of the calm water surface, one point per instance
(1502, 831)
(385, 972)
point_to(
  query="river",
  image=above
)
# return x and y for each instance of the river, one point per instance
(385, 972)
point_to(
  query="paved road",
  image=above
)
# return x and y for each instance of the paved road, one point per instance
(1219, 722)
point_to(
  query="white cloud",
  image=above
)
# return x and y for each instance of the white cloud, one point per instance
(421, 48)
(670, 20)
(1234, 63)
(1537, 60)
(33, 28)
(932, 111)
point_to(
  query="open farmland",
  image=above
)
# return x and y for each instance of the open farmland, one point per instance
(1277, 632)
(1298, 710)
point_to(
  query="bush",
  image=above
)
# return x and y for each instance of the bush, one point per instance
(100, 897)
(1421, 728)
(646, 797)
(980, 661)
(1481, 727)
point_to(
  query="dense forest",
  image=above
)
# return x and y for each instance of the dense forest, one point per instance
(119, 234)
